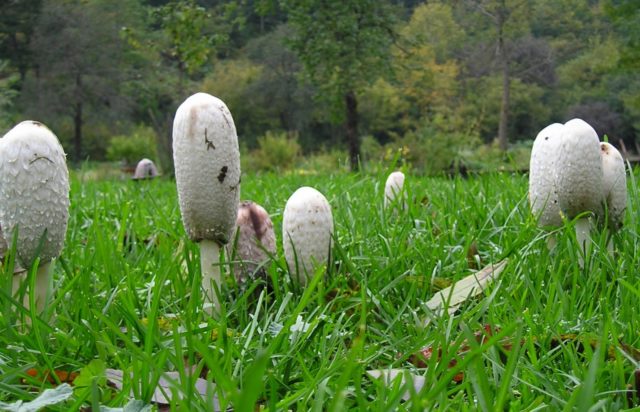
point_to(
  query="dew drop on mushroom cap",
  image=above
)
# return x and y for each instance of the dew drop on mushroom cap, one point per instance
(307, 227)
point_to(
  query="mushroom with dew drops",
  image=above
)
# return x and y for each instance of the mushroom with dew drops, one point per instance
(34, 199)
(307, 227)
(207, 170)
(393, 189)
(254, 240)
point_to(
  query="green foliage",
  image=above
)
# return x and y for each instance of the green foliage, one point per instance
(433, 148)
(276, 151)
(343, 45)
(185, 23)
(127, 298)
(8, 94)
(131, 148)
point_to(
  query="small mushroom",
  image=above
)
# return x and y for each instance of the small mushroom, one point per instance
(307, 227)
(542, 194)
(614, 181)
(579, 176)
(207, 169)
(255, 240)
(145, 169)
(393, 188)
(34, 199)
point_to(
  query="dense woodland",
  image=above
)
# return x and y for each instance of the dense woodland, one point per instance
(429, 83)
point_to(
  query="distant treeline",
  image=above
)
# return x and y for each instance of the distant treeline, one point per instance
(331, 73)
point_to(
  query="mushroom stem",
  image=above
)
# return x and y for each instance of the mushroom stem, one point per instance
(583, 229)
(43, 285)
(210, 264)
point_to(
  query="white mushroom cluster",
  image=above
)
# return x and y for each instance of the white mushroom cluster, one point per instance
(207, 168)
(307, 228)
(574, 175)
(34, 199)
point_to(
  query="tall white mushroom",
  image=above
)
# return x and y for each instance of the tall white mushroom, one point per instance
(255, 239)
(34, 199)
(614, 180)
(207, 167)
(579, 176)
(542, 194)
(393, 188)
(307, 227)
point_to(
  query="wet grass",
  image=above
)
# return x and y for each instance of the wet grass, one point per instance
(127, 298)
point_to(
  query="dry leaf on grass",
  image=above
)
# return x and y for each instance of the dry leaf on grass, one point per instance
(452, 297)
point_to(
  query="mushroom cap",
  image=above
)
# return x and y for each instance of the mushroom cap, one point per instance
(542, 195)
(207, 167)
(579, 171)
(307, 226)
(255, 238)
(145, 169)
(614, 180)
(393, 187)
(34, 191)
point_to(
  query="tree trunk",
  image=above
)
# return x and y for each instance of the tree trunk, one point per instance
(77, 122)
(506, 81)
(353, 140)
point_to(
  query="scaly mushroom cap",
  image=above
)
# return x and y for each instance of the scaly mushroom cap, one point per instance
(307, 226)
(207, 166)
(34, 191)
(145, 169)
(579, 172)
(256, 238)
(542, 195)
(393, 187)
(614, 180)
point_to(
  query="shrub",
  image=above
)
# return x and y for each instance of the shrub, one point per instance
(276, 151)
(130, 149)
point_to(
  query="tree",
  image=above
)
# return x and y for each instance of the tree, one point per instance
(17, 20)
(343, 46)
(503, 15)
(78, 53)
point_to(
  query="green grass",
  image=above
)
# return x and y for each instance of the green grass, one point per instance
(127, 297)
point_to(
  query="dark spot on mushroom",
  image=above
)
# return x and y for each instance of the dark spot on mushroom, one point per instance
(546, 138)
(223, 174)
(232, 188)
(36, 123)
(209, 143)
(224, 116)
(36, 158)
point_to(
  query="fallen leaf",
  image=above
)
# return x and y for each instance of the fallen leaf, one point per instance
(133, 405)
(62, 376)
(163, 394)
(390, 375)
(452, 297)
(47, 398)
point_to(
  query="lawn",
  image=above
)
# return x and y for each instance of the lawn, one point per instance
(547, 334)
